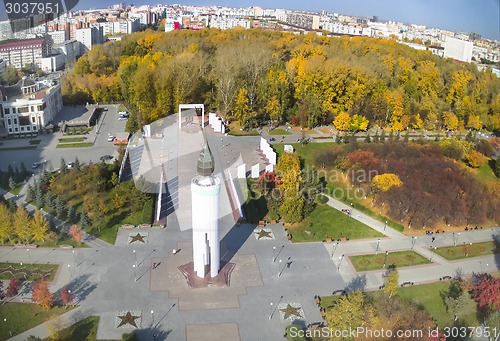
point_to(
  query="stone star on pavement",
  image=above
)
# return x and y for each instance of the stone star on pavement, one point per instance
(289, 311)
(263, 233)
(137, 238)
(128, 318)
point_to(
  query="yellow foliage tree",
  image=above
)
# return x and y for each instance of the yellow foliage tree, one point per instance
(474, 122)
(5, 223)
(391, 283)
(342, 121)
(350, 312)
(241, 108)
(22, 225)
(384, 182)
(475, 159)
(289, 180)
(450, 120)
(40, 227)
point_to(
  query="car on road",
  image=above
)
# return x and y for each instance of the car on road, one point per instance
(106, 157)
(35, 165)
(111, 138)
(70, 165)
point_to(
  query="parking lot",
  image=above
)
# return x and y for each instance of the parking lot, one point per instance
(49, 156)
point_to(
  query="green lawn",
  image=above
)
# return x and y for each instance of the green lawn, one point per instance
(279, 132)
(376, 261)
(27, 271)
(428, 297)
(327, 222)
(19, 317)
(485, 172)
(474, 250)
(75, 145)
(72, 139)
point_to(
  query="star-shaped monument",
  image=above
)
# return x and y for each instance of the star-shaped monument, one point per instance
(263, 233)
(137, 238)
(291, 311)
(128, 318)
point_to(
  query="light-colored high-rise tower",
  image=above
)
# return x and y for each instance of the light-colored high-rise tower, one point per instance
(205, 191)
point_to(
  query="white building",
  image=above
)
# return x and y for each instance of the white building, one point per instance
(58, 37)
(53, 63)
(29, 106)
(458, 49)
(89, 36)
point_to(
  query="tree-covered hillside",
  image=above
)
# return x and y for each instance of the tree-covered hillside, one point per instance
(254, 75)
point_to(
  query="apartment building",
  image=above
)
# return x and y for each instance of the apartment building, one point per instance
(23, 52)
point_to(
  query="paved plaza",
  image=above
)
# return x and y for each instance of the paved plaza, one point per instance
(139, 276)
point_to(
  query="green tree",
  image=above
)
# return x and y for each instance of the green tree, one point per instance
(450, 120)
(289, 179)
(10, 75)
(60, 208)
(12, 183)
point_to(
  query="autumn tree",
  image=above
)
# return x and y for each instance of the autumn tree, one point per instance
(66, 296)
(40, 227)
(475, 159)
(358, 123)
(391, 283)
(6, 228)
(450, 120)
(22, 225)
(76, 233)
(350, 312)
(13, 287)
(486, 292)
(41, 295)
(241, 110)
(342, 121)
(288, 182)
(474, 122)
(384, 182)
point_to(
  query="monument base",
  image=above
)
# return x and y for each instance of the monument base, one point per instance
(222, 279)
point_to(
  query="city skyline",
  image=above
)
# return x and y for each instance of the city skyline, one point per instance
(464, 16)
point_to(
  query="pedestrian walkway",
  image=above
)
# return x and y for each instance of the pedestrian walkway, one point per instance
(396, 241)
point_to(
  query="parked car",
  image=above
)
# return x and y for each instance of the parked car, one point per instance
(106, 157)
(35, 165)
(111, 138)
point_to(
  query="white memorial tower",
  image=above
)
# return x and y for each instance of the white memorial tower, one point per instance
(205, 191)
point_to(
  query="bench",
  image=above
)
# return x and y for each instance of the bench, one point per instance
(144, 226)
(316, 325)
(406, 284)
(65, 246)
(262, 223)
(273, 221)
(327, 240)
(127, 226)
(343, 239)
(444, 278)
(338, 292)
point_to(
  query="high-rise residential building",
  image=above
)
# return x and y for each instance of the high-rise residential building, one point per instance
(458, 49)
(89, 36)
(23, 52)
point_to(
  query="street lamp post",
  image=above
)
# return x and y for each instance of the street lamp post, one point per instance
(135, 257)
(334, 248)
(153, 317)
(385, 258)
(274, 254)
(385, 225)
(135, 274)
(29, 255)
(413, 242)
(378, 244)
(74, 256)
(271, 311)
(340, 262)
(465, 249)
(69, 269)
(279, 268)
(5, 320)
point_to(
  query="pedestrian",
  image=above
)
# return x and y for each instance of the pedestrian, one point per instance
(433, 239)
